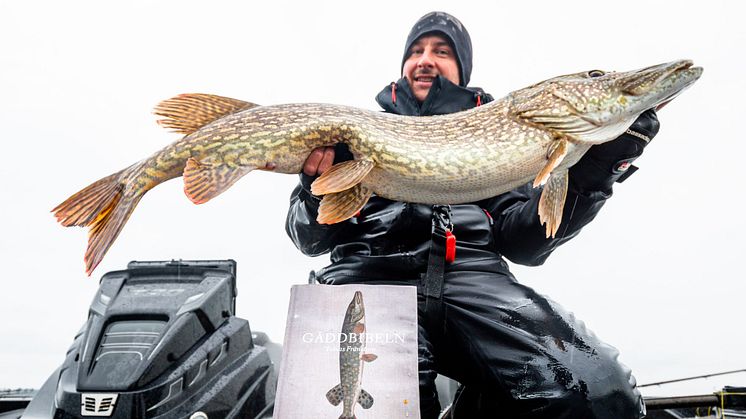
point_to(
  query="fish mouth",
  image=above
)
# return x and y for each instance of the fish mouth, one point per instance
(357, 301)
(689, 75)
(648, 88)
(356, 309)
(652, 87)
(662, 82)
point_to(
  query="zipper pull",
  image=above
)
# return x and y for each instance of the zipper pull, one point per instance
(450, 246)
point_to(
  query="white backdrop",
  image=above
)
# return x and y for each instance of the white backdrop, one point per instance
(657, 274)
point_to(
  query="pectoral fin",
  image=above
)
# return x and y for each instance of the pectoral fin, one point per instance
(335, 395)
(557, 153)
(204, 181)
(365, 399)
(342, 176)
(368, 357)
(340, 206)
(552, 202)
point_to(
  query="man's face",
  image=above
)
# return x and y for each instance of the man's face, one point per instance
(429, 56)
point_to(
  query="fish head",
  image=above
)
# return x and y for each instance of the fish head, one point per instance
(597, 106)
(356, 309)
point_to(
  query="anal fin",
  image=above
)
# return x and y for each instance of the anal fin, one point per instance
(552, 202)
(204, 181)
(557, 153)
(342, 176)
(340, 206)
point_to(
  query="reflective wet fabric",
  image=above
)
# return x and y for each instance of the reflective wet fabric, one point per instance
(526, 355)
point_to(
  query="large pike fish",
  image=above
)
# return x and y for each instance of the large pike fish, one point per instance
(535, 133)
(352, 355)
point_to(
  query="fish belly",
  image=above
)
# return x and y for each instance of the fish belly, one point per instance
(456, 179)
(350, 378)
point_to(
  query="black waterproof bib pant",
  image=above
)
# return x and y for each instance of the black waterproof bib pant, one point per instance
(525, 355)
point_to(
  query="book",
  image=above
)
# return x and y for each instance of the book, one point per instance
(350, 351)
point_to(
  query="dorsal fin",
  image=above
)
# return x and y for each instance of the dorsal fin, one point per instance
(189, 112)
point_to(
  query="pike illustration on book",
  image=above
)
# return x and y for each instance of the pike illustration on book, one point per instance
(351, 358)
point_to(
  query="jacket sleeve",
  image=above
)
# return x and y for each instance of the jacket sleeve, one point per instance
(521, 237)
(310, 237)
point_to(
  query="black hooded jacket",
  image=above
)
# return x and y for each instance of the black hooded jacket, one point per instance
(389, 241)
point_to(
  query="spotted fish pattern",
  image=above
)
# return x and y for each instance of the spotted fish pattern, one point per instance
(535, 133)
(352, 357)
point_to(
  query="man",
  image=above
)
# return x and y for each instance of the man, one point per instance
(513, 347)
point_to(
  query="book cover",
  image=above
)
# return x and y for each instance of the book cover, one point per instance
(350, 351)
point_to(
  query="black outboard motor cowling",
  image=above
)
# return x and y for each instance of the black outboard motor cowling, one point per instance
(162, 341)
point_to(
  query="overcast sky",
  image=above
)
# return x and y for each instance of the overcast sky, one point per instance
(658, 274)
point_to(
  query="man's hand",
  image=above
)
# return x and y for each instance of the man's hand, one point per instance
(629, 145)
(319, 161)
(606, 163)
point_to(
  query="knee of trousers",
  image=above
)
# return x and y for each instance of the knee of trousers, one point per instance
(593, 385)
(571, 405)
(608, 393)
(612, 389)
(429, 402)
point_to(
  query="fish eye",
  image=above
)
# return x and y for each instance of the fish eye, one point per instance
(595, 73)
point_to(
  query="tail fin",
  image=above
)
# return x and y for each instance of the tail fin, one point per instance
(103, 207)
